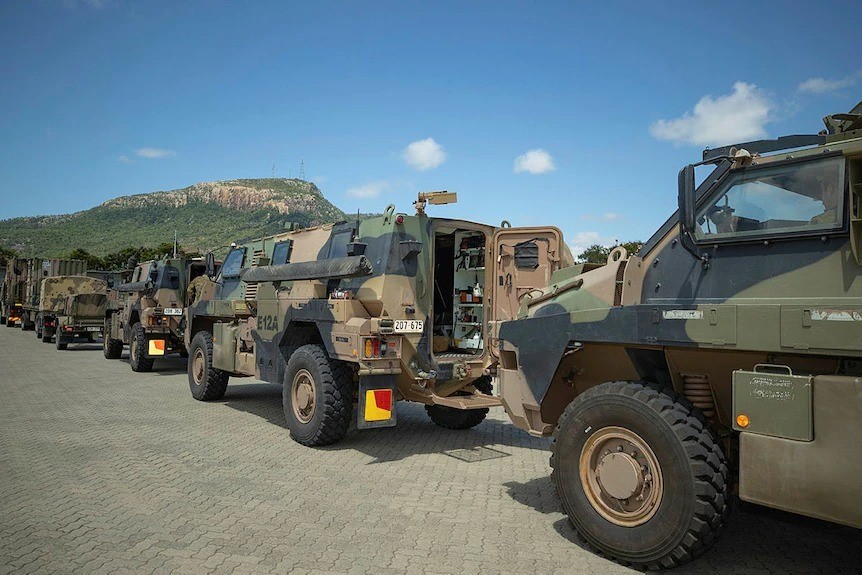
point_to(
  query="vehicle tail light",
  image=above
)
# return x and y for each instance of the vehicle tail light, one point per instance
(375, 347)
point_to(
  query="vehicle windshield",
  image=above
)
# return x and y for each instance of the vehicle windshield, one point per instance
(765, 201)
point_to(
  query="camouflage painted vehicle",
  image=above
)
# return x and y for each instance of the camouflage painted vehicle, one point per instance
(727, 351)
(146, 313)
(39, 269)
(70, 307)
(12, 291)
(393, 307)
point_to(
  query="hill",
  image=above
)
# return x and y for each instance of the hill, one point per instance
(205, 215)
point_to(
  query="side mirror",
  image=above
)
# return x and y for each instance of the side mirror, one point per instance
(210, 266)
(686, 199)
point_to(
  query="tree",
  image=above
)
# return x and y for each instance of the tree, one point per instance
(6, 254)
(598, 254)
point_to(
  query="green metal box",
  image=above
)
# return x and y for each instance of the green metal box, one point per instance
(772, 401)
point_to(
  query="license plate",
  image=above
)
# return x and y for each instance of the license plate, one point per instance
(94, 328)
(173, 311)
(409, 326)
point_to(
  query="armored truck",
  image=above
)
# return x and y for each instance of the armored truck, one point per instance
(726, 355)
(37, 270)
(398, 306)
(146, 313)
(70, 307)
(12, 291)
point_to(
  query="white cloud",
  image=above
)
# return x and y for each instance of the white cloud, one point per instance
(155, 153)
(606, 217)
(735, 117)
(823, 86)
(369, 190)
(424, 154)
(536, 161)
(582, 240)
(124, 159)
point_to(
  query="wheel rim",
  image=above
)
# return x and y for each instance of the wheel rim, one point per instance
(621, 476)
(302, 396)
(133, 349)
(199, 365)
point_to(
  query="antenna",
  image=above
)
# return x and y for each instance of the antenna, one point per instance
(175, 243)
(273, 170)
(302, 168)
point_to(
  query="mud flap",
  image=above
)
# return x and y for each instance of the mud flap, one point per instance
(376, 402)
(156, 347)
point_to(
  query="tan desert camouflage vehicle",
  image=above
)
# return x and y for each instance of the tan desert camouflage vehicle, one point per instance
(146, 313)
(395, 307)
(726, 355)
(39, 269)
(71, 307)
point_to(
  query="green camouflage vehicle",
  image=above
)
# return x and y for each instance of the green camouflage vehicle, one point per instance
(146, 313)
(727, 352)
(392, 307)
(12, 291)
(71, 307)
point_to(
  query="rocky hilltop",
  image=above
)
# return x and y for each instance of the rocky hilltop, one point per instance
(204, 215)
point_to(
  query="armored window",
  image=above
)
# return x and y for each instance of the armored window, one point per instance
(785, 199)
(281, 252)
(233, 263)
(168, 278)
(527, 255)
(338, 242)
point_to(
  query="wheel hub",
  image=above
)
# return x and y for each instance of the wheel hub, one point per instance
(198, 367)
(302, 396)
(621, 476)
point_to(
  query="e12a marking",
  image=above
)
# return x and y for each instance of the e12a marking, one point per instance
(267, 323)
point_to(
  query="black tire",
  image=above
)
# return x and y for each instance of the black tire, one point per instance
(112, 348)
(38, 330)
(205, 382)
(692, 474)
(10, 322)
(137, 350)
(2, 319)
(61, 345)
(327, 418)
(452, 418)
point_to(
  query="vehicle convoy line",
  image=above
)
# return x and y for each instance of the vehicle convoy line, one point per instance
(722, 359)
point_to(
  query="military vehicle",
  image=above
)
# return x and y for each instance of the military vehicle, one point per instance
(728, 351)
(37, 270)
(392, 307)
(146, 313)
(70, 307)
(12, 291)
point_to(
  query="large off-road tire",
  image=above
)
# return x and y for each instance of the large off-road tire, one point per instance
(317, 396)
(205, 382)
(138, 350)
(61, 345)
(452, 418)
(640, 476)
(112, 348)
(38, 330)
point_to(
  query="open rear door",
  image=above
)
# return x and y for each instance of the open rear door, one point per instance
(524, 259)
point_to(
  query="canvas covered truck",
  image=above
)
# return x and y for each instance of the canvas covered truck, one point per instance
(146, 313)
(12, 291)
(396, 307)
(70, 308)
(37, 270)
(725, 356)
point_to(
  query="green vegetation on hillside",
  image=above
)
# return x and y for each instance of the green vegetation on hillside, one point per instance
(200, 222)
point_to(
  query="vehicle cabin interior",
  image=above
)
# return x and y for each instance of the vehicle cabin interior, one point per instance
(459, 293)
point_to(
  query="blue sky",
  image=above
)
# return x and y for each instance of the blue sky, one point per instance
(566, 113)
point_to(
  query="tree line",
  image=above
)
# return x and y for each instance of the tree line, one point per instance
(114, 261)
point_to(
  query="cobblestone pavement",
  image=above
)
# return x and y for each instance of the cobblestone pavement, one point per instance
(103, 470)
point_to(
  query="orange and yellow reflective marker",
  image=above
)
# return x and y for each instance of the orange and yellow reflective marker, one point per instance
(742, 420)
(378, 404)
(157, 347)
